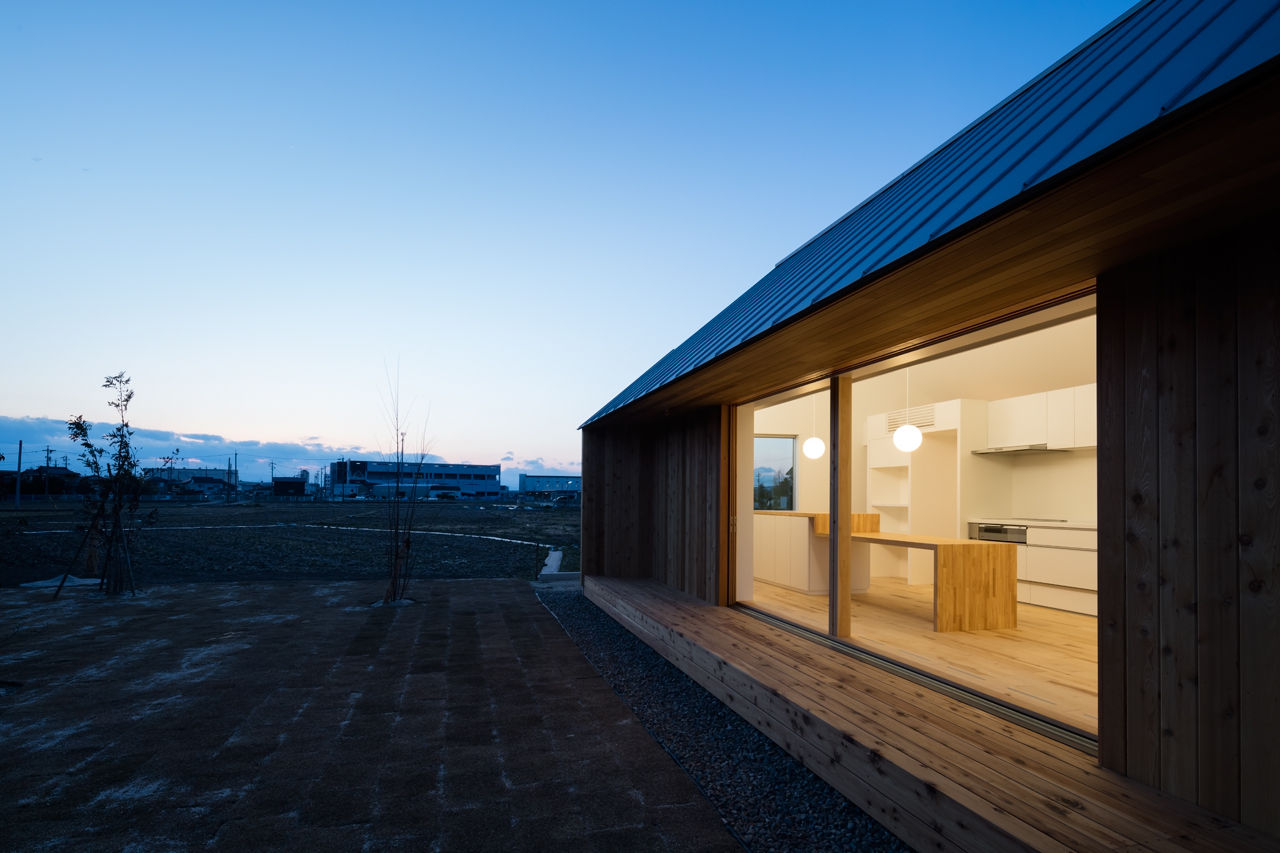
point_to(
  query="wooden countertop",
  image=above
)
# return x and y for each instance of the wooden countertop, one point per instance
(911, 540)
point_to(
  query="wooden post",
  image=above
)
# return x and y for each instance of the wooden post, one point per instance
(841, 553)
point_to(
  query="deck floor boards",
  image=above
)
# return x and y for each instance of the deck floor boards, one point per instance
(1047, 665)
(939, 773)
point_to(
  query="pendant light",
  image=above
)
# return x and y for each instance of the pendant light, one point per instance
(813, 446)
(908, 436)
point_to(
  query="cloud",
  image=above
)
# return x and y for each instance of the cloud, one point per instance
(253, 458)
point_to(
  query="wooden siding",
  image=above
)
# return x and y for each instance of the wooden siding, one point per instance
(1189, 520)
(652, 503)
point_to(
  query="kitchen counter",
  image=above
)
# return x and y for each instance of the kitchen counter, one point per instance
(1038, 522)
(1058, 563)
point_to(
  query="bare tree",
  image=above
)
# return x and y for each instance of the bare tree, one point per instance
(403, 505)
(119, 487)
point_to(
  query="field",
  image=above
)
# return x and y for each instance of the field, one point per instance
(296, 541)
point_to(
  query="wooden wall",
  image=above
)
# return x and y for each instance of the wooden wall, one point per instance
(652, 502)
(1189, 522)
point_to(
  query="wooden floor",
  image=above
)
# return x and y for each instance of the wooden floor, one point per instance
(940, 774)
(1048, 665)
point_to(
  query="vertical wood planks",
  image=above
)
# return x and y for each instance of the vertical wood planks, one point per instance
(1192, 708)
(1177, 529)
(1259, 531)
(1217, 613)
(1112, 658)
(1142, 516)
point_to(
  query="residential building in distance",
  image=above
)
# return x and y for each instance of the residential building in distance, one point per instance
(364, 478)
(209, 482)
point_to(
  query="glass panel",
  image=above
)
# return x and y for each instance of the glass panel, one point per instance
(782, 544)
(1029, 398)
(774, 469)
(1007, 442)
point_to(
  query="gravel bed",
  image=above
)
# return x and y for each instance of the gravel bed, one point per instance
(765, 797)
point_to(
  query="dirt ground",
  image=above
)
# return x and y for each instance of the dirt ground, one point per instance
(295, 716)
(181, 543)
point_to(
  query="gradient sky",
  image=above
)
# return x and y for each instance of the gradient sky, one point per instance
(262, 211)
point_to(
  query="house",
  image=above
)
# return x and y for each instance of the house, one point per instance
(289, 487)
(1048, 620)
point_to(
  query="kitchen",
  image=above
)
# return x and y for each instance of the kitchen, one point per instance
(1006, 454)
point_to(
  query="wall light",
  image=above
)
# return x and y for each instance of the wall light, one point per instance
(907, 438)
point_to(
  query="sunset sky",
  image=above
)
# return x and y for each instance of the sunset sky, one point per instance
(265, 212)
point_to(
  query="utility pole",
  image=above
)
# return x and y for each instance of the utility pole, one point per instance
(17, 481)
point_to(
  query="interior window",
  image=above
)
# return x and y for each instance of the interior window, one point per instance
(774, 472)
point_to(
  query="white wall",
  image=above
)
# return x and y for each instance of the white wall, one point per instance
(1055, 485)
(803, 418)
(883, 393)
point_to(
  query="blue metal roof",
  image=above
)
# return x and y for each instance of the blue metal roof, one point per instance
(1157, 57)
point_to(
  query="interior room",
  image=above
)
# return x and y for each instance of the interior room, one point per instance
(974, 547)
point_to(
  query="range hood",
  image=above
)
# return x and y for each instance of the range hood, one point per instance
(1022, 448)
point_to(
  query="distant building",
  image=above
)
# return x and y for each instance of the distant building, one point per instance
(351, 478)
(211, 482)
(549, 483)
(550, 488)
(288, 487)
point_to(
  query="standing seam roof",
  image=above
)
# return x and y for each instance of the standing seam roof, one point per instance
(1156, 58)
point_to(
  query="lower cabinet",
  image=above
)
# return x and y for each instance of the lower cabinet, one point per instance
(785, 551)
(1061, 576)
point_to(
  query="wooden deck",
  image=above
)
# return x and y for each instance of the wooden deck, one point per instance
(938, 773)
(1048, 665)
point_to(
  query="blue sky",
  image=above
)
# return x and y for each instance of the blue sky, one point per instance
(261, 211)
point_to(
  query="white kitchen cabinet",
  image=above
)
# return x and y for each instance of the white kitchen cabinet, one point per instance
(785, 552)
(762, 558)
(1086, 415)
(1062, 598)
(1063, 567)
(1085, 538)
(1017, 421)
(1072, 417)
(1060, 418)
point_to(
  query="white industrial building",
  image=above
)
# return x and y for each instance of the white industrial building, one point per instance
(351, 478)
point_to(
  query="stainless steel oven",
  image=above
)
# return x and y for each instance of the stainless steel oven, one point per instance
(991, 531)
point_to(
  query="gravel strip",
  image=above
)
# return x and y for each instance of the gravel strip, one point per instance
(765, 797)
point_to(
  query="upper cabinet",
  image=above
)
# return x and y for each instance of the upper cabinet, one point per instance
(1060, 419)
(1073, 417)
(1018, 421)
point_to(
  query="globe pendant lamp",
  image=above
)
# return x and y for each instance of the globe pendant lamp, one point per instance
(907, 437)
(813, 446)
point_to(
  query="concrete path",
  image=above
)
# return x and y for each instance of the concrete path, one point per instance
(257, 716)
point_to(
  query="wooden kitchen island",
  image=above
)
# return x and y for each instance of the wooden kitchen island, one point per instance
(975, 583)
